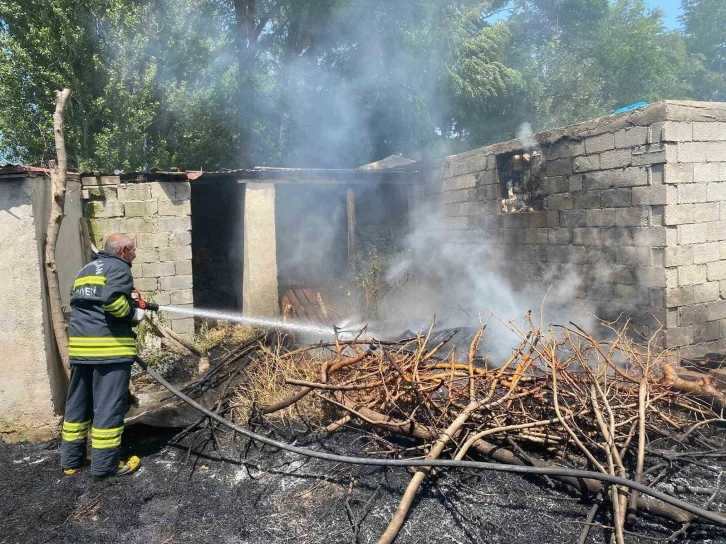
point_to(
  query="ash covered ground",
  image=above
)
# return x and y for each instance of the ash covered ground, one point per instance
(264, 495)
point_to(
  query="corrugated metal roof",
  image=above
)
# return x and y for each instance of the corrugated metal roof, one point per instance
(19, 170)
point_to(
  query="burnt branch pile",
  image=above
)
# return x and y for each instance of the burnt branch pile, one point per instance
(563, 398)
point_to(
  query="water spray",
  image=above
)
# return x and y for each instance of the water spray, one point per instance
(264, 322)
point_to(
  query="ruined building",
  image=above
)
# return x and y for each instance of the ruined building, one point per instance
(632, 205)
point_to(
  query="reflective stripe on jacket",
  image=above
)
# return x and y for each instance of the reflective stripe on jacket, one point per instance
(101, 310)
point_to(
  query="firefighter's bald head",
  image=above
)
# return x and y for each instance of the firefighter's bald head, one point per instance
(122, 245)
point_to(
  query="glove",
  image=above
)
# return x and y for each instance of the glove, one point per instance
(138, 316)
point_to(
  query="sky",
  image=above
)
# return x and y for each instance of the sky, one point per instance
(672, 9)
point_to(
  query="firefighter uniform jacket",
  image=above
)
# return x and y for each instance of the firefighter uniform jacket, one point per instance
(101, 313)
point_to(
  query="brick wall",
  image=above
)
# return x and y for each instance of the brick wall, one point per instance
(158, 215)
(695, 218)
(633, 210)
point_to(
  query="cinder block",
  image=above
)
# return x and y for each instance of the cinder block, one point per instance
(631, 137)
(450, 197)
(160, 298)
(709, 171)
(679, 296)
(467, 181)
(565, 148)
(553, 185)
(176, 208)
(158, 270)
(575, 181)
(587, 199)
(705, 253)
(706, 292)
(715, 151)
(600, 218)
(717, 271)
(176, 283)
(152, 239)
(146, 285)
(184, 326)
(708, 211)
(175, 253)
(619, 158)
(709, 131)
(692, 274)
(680, 336)
(677, 131)
(636, 256)
(658, 195)
(455, 223)
(690, 315)
(693, 234)
(185, 296)
(146, 255)
(678, 173)
(99, 193)
(692, 152)
(589, 236)
(183, 267)
(679, 255)
(715, 231)
(671, 318)
(679, 215)
(648, 236)
(560, 202)
(603, 142)
(658, 256)
(138, 225)
(706, 332)
(559, 167)
(103, 209)
(172, 224)
(586, 163)
(141, 209)
(558, 236)
(616, 198)
(610, 179)
(671, 278)
(180, 238)
(716, 310)
(692, 193)
(486, 178)
(650, 154)
(128, 192)
(716, 192)
(632, 217)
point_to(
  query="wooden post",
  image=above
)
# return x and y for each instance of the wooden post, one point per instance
(58, 178)
(351, 235)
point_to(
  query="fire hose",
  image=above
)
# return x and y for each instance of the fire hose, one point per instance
(443, 463)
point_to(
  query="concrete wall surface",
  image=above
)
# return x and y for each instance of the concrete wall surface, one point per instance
(631, 214)
(26, 396)
(158, 215)
(260, 295)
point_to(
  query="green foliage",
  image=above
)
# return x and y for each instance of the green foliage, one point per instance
(704, 25)
(331, 83)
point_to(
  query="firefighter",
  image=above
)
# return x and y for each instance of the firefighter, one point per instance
(101, 349)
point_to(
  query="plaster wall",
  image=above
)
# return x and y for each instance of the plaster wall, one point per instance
(26, 368)
(260, 295)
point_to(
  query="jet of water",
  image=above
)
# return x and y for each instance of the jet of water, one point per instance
(264, 322)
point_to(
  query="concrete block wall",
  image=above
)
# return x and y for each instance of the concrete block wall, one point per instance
(633, 213)
(695, 219)
(158, 215)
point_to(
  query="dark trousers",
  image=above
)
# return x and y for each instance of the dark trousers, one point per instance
(97, 397)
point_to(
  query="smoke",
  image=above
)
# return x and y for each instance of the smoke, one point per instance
(526, 137)
(461, 278)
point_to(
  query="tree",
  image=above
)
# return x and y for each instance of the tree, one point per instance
(704, 22)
